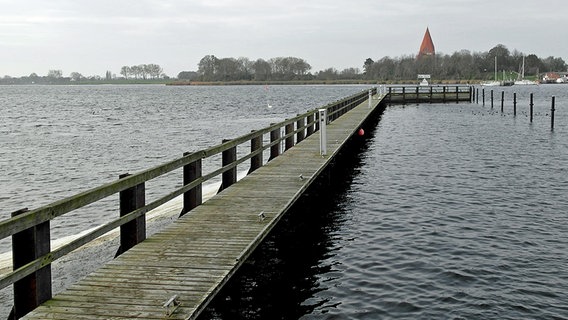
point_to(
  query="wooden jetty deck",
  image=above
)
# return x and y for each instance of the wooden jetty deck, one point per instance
(175, 273)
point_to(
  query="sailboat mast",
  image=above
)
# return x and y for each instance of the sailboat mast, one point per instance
(495, 68)
(523, 69)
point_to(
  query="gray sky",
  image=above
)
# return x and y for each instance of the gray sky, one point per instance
(92, 36)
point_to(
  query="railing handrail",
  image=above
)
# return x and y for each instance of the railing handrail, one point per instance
(33, 218)
(429, 88)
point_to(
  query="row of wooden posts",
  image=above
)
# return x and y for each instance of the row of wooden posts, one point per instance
(531, 104)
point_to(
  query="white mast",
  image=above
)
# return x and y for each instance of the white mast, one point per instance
(495, 68)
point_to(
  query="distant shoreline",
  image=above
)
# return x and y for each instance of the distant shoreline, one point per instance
(251, 82)
(310, 82)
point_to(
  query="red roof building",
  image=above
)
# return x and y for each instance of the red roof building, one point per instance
(427, 46)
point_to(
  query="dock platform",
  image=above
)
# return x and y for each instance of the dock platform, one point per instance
(175, 273)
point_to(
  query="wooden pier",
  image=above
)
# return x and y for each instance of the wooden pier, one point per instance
(175, 273)
(428, 94)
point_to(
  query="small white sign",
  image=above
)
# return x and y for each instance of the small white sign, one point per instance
(423, 76)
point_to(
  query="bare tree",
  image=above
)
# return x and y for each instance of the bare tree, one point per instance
(125, 71)
(55, 74)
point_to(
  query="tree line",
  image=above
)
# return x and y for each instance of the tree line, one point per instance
(211, 68)
(462, 65)
(142, 72)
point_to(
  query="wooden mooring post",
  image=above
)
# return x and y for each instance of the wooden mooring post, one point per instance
(552, 109)
(491, 99)
(531, 104)
(483, 92)
(27, 246)
(502, 100)
(515, 104)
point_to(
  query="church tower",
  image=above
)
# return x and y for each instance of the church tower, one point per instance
(427, 46)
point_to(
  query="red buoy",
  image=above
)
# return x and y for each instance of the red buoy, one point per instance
(361, 132)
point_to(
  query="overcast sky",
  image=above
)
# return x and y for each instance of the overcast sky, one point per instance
(92, 36)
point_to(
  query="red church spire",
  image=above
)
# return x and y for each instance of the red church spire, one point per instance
(427, 46)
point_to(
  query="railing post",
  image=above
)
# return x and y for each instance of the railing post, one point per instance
(311, 126)
(255, 144)
(27, 246)
(300, 126)
(370, 97)
(289, 129)
(323, 133)
(477, 95)
(133, 232)
(194, 196)
(275, 149)
(417, 94)
(444, 94)
(229, 177)
(457, 94)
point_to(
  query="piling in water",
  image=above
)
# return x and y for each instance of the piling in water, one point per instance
(552, 113)
(531, 107)
(515, 104)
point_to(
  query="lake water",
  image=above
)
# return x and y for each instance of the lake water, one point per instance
(447, 211)
(56, 141)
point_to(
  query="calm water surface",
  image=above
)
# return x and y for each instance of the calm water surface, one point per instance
(443, 212)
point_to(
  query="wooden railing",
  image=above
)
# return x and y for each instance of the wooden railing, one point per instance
(429, 94)
(30, 230)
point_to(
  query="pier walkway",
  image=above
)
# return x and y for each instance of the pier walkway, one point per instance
(175, 273)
